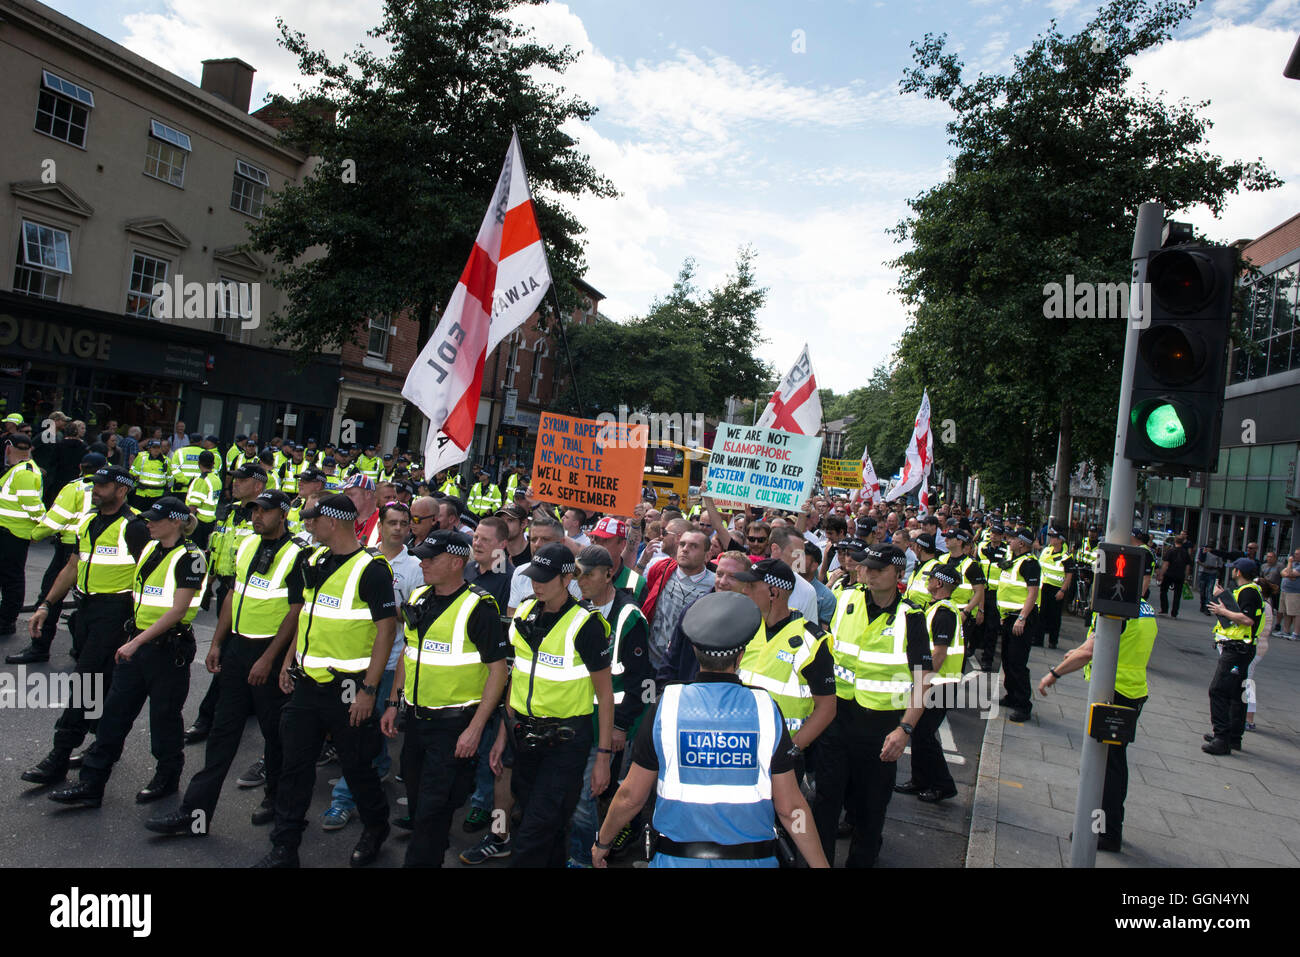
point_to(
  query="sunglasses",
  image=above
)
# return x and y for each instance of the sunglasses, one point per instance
(757, 540)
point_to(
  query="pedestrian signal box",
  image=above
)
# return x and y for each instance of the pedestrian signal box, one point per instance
(1117, 580)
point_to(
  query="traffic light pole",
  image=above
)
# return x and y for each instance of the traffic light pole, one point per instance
(1119, 523)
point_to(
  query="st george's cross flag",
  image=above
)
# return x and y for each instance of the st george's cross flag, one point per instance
(795, 406)
(870, 491)
(920, 455)
(501, 286)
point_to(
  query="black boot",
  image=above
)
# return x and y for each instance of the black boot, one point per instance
(280, 857)
(27, 656)
(180, 823)
(80, 794)
(159, 786)
(52, 769)
(367, 848)
(265, 813)
(1216, 746)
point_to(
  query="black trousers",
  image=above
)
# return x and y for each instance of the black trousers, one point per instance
(1177, 585)
(547, 782)
(848, 768)
(202, 533)
(236, 700)
(13, 575)
(312, 711)
(159, 672)
(437, 783)
(58, 561)
(208, 706)
(929, 767)
(1227, 710)
(1051, 615)
(987, 635)
(1115, 788)
(97, 633)
(1015, 659)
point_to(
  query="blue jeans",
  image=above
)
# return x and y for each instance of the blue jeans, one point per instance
(584, 823)
(342, 796)
(1207, 587)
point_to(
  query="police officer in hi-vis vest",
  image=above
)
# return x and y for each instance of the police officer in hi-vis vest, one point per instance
(152, 473)
(1056, 565)
(561, 666)
(110, 539)
(1235, 634)
(153, 664)
(21, 511)
(62, 518)
(258, 620)
(945, 623)
(345, 632)
(1018, 588)
(719, 755)
(927, 558)
(1135, 644)
(879, 640)
(984, 640)
(631, 676)
(451, 674)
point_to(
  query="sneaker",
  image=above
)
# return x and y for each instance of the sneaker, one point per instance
(336, 818)
(485, 850)
(476, 820)
(255, 776)
(1250, 725)
(327, 754)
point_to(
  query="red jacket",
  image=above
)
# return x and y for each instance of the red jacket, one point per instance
(659, 573)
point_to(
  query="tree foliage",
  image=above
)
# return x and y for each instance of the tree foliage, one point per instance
(688, 354)
(1051, 164)
(425, 127)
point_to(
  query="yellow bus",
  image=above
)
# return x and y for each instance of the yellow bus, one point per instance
(670, 467)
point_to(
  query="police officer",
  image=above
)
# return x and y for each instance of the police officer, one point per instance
(345, 632)
(62, 519)
(452, 672)
(1135, 644)
(789, 656)
(202, 497)
(484, 497)
(258, 620)
(985, 639)
(727, 774)
(562, 664)
(931, 780)
(631, 676)
(21, 511)
(878, 638)
(246, 483)
(110, 538)
(311, 481)
(154, 664)
(1018, 588)
(185, 466)
(1056, 565)
(450, 485)
(927, 558)
(1143, 541)
(368, 463)
(1085, 558)
(972, 584)
(152, 475)
(1235, 634)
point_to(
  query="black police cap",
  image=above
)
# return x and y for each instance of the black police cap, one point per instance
(775, 572)
(721, 624)
(114, 473)
(442, 540)
(166, 507)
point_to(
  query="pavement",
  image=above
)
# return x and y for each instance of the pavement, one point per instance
(1185, 808)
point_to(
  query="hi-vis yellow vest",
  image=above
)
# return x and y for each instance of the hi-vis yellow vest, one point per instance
(153, 596)
(443, 667)
(775, 663)
(260, 602)
(871, 656)
(1236, 631)
(556, 684)
(335, 630)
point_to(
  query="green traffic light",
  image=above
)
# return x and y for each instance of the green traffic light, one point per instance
(1165, 428)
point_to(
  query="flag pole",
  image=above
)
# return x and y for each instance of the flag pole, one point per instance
(555, 299)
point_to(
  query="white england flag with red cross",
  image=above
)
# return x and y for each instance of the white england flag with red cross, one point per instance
(870, 490)
(501, 286)
(795, 406)
(920, 455)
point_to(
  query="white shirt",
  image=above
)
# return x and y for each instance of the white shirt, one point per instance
(407, 577)
(804, 599)
(521, 588)
(581, 538)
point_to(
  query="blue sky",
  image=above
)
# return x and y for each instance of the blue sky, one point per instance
(720, 132)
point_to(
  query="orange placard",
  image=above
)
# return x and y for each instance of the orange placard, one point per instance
(591, 465)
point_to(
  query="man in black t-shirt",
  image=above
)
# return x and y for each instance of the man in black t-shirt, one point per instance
(1173, 572)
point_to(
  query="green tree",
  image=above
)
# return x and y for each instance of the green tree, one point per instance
(425, 129)
(1051, 164)
(688, 354)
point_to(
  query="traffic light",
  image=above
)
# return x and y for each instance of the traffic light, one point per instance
(1182, 360)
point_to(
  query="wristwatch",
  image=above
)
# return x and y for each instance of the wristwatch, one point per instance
(392, 704)
(907, 728)
(372, 690)
(795, 750)
(603, 847)
(1052, 672)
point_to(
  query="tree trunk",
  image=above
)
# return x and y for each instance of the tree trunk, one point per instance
(1061, 493)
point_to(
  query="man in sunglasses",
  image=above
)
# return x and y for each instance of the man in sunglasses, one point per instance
(424, 518)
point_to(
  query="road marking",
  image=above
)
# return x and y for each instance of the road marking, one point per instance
(949, 744)
(1014, 784)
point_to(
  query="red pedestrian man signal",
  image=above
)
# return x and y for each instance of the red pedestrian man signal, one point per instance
(1117, 586)
(1119, 566)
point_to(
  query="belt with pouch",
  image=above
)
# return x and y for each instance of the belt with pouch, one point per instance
(442, 715)
(531, 732)
(656, 843)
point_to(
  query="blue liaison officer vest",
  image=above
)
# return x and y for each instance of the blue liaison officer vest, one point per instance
(715, 742)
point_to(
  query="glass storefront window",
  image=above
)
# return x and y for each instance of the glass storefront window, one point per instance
(1283, 459)
(1234, 496)
(210, 411)
(1237, 459)
(248, 418)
